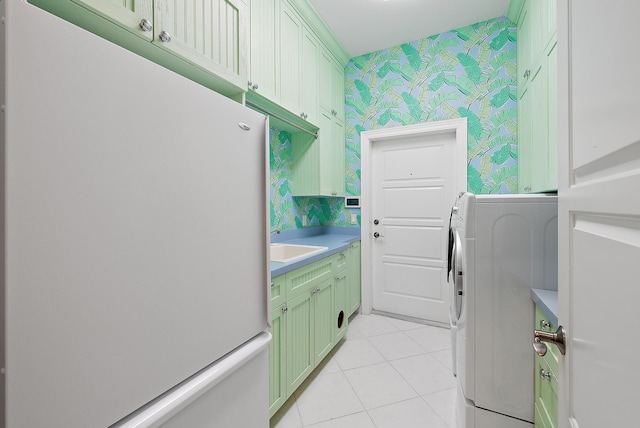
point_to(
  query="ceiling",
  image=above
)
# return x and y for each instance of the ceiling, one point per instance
(364, 26)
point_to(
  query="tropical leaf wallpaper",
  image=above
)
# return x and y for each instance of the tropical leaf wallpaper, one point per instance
(468, 72)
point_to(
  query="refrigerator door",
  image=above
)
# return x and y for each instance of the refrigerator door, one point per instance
(130, 264)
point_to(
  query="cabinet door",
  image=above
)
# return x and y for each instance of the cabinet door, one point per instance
(524, 142)
(354, 278)
(290, 48)
(340, 317)
(552, 64)
(126, 13)
(278, 291)
(337, 90)
(209, 33)
(264, 64)
(524, 44)
(337, 164)
(323, 296)
(325, 67)
(300, 340)
(277, 360)
(540, 129)
(309, 78)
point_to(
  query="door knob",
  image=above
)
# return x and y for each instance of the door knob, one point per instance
(377, 235)
(557, 338)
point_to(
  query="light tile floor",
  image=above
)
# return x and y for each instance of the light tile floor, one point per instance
(386, 373)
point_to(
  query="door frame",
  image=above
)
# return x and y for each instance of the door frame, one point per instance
(367, 140)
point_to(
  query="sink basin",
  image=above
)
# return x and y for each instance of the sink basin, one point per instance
(289, 252)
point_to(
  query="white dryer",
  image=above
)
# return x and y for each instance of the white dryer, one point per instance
(503, 246)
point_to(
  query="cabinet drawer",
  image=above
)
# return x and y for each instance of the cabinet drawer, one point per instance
(306, 277)
(543, 323)
(340, 261)
(278, 295)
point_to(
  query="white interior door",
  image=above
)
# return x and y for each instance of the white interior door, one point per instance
(413, 190)
(599, 212)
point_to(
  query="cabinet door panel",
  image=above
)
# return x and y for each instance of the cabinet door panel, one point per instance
(309, 78)
(540, 129)
(524, 142)
(264, 64)
(290, 46)
(277, 361)
(126, 13)
(337, 90)
(337, 166)
(300, 340)
(552, 64)
(339, 320)
(208, 33)
(323, 320)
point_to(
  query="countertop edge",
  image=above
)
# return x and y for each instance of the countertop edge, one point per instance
(547, 300)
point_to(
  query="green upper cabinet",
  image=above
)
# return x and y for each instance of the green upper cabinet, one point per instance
(537, 97)
(264, 65)
(298, 65)
(331, 85)
(211, 34)
(203, 40)
(318, 166)
(134, 15)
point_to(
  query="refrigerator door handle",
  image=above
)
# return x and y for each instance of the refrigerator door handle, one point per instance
(158, 412)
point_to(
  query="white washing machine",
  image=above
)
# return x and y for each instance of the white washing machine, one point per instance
(503, 246)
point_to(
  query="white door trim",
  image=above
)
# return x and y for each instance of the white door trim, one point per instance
(367, 139)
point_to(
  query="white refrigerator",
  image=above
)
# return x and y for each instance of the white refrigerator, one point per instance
(134, 239)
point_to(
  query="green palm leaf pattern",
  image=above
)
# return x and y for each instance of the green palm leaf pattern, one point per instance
(467, 72)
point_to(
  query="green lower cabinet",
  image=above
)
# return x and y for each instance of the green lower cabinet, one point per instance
(277, 361)
(323, 297)
(354, 293)
(546, 387)
(340, 318)
(546, 381)
(300, 339)
(312, 307)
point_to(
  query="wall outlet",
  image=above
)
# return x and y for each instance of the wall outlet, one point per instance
(305, 220)
(354, 219)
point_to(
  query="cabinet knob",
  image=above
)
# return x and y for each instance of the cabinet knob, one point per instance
(526, 74)
(255, 87)
(145, 24)
(527, 189)
(545, 374)
(273, 285)
(249, 83)
(164, 36)
(377, 235)
(284, 309)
